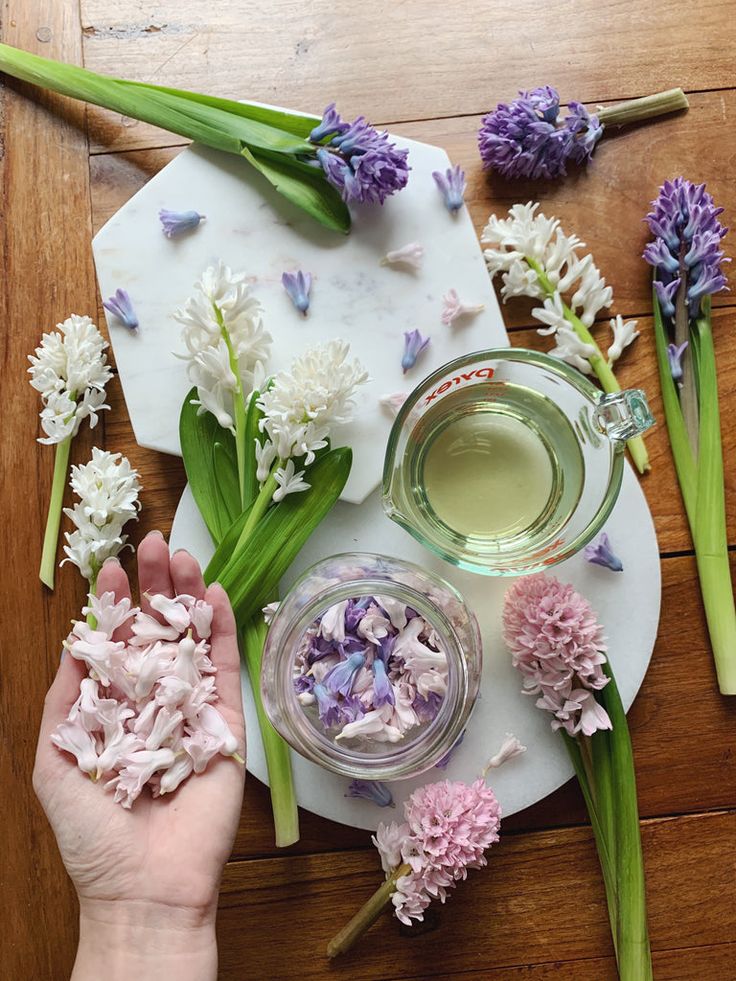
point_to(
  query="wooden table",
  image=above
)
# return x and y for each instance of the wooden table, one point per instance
(429, 70)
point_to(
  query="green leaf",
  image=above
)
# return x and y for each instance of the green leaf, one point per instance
(252, 577)
(198, 435)
(305, 186)
(225, 468)
(226, 547)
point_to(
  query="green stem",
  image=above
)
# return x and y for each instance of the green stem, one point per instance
(239, 407)
(709, 529)
(259, 508)
(598, 363)
(633, 951)
(53, 520)
(367, 914)
(634, 110)
(278, 759)
(579, 752)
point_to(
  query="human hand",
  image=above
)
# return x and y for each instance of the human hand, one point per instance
(147, 878)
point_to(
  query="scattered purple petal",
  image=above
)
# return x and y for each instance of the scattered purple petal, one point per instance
(179, 222)
(298, 285)
(414, 344)
(341, 678)
(601, 553)
(383, 692)
(452, 186)
(121, 306)
(373, 790)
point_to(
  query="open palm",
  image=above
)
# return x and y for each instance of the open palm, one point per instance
(168, 851)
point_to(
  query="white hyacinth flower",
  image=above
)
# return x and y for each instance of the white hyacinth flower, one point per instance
(226, 342)
(571, 349)
(107, 488)
(70, 370)
(305, 402)
(454, 309)
(411, 255)
(289, 481)
(624, 332)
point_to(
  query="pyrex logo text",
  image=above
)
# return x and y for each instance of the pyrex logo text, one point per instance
(486, 373)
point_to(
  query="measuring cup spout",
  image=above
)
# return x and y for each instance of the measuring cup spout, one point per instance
(623, 415)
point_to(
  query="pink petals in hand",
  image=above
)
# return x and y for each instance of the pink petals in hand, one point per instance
(145, 713)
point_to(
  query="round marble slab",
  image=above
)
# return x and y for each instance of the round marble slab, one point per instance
(627, 603)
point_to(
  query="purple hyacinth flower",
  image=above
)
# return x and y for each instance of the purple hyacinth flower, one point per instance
(427, 708)
(601, 553)
(359, 161)
(341, 678)
(451, 185)
(329, 710)
(372, 790)
(414, 344)
(178, 222)
(383, 692)
(684, 221)
(303, 683)
(121, 306)
(674, 356)
(298, 285)
(525, 138)
(331, 125)
(350, 709)
(441, 764)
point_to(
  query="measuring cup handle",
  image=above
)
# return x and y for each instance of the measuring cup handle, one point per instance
(622, 415)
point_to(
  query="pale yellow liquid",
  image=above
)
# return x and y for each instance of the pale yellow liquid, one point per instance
(488, 474)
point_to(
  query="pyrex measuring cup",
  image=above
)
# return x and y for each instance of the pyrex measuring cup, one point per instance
(508, 461)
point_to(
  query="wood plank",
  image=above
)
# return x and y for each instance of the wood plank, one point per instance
(48, 274)
(540, 900)
(378, 58)
(711, 963)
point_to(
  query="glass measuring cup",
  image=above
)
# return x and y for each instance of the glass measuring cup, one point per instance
(508, 461)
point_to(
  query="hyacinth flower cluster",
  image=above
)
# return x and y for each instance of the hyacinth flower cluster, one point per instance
(70, 371)
(360, 162)
(146, 714)
(260, 466)
(557, 644)
(687, 258)
(108, 488)
(535, 258)
(447, 828)
(371, 667)
(317, 165)
(527, 138)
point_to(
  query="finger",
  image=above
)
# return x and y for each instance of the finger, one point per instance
(114, 579)
(186, 575)
(154, 575)
(224, 653)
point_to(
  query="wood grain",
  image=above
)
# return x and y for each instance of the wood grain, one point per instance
(414, 60)
(540, 900)
(48, 274)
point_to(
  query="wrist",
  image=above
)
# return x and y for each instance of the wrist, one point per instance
(120, 939)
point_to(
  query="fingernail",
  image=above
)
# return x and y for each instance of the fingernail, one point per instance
(111, 560)
(180, 551)
(155, 534)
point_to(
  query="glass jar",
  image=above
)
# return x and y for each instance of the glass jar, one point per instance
(352, 575)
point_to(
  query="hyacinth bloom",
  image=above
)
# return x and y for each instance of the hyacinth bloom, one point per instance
(392, 403)
(451, 185)
(414, 344)
(70, 371)
(535, 258)
(687, 258)
(120, 305)
(454, 309)
(601, 552)
(410, 255)
(175, 223)
(527, 138)
(557, 644)
(359, 161)
(372, 790)
(298, 286)
(447, 828)
(155, 734)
